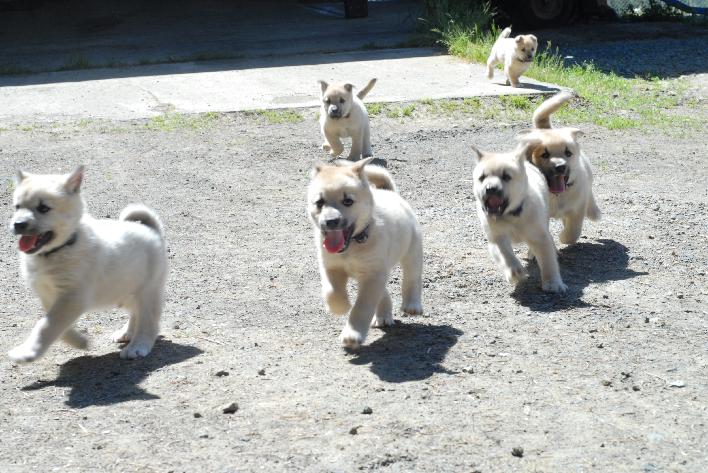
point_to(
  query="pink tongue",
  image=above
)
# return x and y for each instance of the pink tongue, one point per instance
(334, 241)
(557, 184)
(27, 242)
(494, 201)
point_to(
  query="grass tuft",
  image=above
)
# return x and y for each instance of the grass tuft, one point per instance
(277, 116)
(181, 121)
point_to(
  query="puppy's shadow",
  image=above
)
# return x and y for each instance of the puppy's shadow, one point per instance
(408, 351)
(108, 379)
(581, 264)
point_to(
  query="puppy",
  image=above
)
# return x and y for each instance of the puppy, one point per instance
(515, 53)
(363, 228)
(76, 264)
(512, 204)
(556, 152)
(344, 115)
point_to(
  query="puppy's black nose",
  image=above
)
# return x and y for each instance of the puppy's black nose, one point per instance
(561, 168)
(492, 190)
(530, 56)
(332, 222)
(20, 226)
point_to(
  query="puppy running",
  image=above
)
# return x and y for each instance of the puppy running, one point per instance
(344, 115)
(515, 53)
(363, 228)
(76, 264)
(556, 152)
(512, 204)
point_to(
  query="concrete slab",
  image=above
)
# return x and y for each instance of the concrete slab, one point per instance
(245, 84)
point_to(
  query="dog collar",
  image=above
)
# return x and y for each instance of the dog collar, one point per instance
(517, 212)
(72, 239)
(362, 236)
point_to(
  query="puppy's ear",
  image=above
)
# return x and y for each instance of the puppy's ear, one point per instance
(528, 141)
(323, 85)
(478, 154)
(533, 38)
(525, 149)
(316, 170)
(519, 39)
(73, 182)
(358, 167)
(349, 87)
(19, 177)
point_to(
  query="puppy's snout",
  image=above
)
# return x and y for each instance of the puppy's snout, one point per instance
(334, 111)
(333, 222)
(529, 56)
(561, 168)
(20, 226)
(493, 189)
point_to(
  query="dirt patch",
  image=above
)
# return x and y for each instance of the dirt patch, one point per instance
(609, 377)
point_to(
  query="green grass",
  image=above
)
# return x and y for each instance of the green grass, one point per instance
(180, 121)
(466, 29)
(277, 116)
(405, 111)
(375, 109)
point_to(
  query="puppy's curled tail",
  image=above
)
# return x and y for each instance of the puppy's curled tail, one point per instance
(380, 178)
(506, 32)
(542, 115)
(367, 88)
(141, 214)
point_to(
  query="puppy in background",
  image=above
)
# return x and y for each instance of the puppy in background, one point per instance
(344, 115)
(512, 204)
(76, 264)
(363, 228)
(556, 152)
(515, 53)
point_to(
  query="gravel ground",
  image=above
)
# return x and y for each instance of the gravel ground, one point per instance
(611, 376)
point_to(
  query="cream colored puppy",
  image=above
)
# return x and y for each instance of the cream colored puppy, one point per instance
(516, 54)
(344, 115)
(512, 204)
(556, 152)
(363, 228)
(76, 264)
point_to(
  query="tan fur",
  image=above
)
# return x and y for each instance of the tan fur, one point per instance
(394, 237)
(523, 218)
(516, 54)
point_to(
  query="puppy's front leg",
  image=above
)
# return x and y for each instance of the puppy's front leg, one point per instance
(334, 290)
(335, 143)
(367, 300)
(572, 228)
(59, 318)
(357, 144)
(503, 253)
(547, 258)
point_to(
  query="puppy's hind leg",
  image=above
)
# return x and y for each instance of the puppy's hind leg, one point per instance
(146, 320)
(366, 141)
(357, 145)
(491, 62)
(367, 301)
(75, 339)
(547, 259)
(412, 285)
(384, 312)
(572, 228)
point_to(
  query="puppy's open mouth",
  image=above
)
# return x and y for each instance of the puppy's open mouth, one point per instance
(337, 241)
(495, 205)
(557, 183)
(32, 243)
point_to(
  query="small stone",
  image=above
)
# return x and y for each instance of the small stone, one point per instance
(354, 430)
(606, 382)
(230, 408)
(261, 372)
(677, 384)
(635, 388)
(204, 436)
(517, 452)
(600, 345)
(221, 373)
(176, 326)
(646, 320)
(468, 369)
(367, 410)
(651, 237)
(680, 296)
(197, 415)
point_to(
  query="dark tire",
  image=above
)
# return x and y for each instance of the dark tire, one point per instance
(543, 13)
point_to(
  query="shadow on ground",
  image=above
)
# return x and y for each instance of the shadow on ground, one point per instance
(408, 351)
(581, 265)
(107, 379)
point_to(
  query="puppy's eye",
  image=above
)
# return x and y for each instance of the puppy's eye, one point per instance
(41, 208)
(347, 202)
(482, 178)
(320, 203)
(326, 100)
(546, 155)
(506, 177)
(341, 100)
(568, 154)
(17, 206)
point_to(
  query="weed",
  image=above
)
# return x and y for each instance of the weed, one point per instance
(375, 109)
(277, 116)
(180, 121)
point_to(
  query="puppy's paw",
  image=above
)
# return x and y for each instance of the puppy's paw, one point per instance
(515, 274)
(351, 338)
(412, 308)
(555, 286)
(326, 148)
(568, 237)
(24, 353)
(122, 335)
(136, 349)
(337, 302)
(383, 321)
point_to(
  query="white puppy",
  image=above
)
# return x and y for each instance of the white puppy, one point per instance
(512, 204)
(76, 263)
(556, 152)
(344, 115)
(516, 54)
(363, 228)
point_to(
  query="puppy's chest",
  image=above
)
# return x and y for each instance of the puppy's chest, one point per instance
(47, 279)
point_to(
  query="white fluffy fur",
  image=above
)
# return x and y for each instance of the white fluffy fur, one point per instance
(516, 54)
(394, 237)
(113, 263)
(527, 189)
